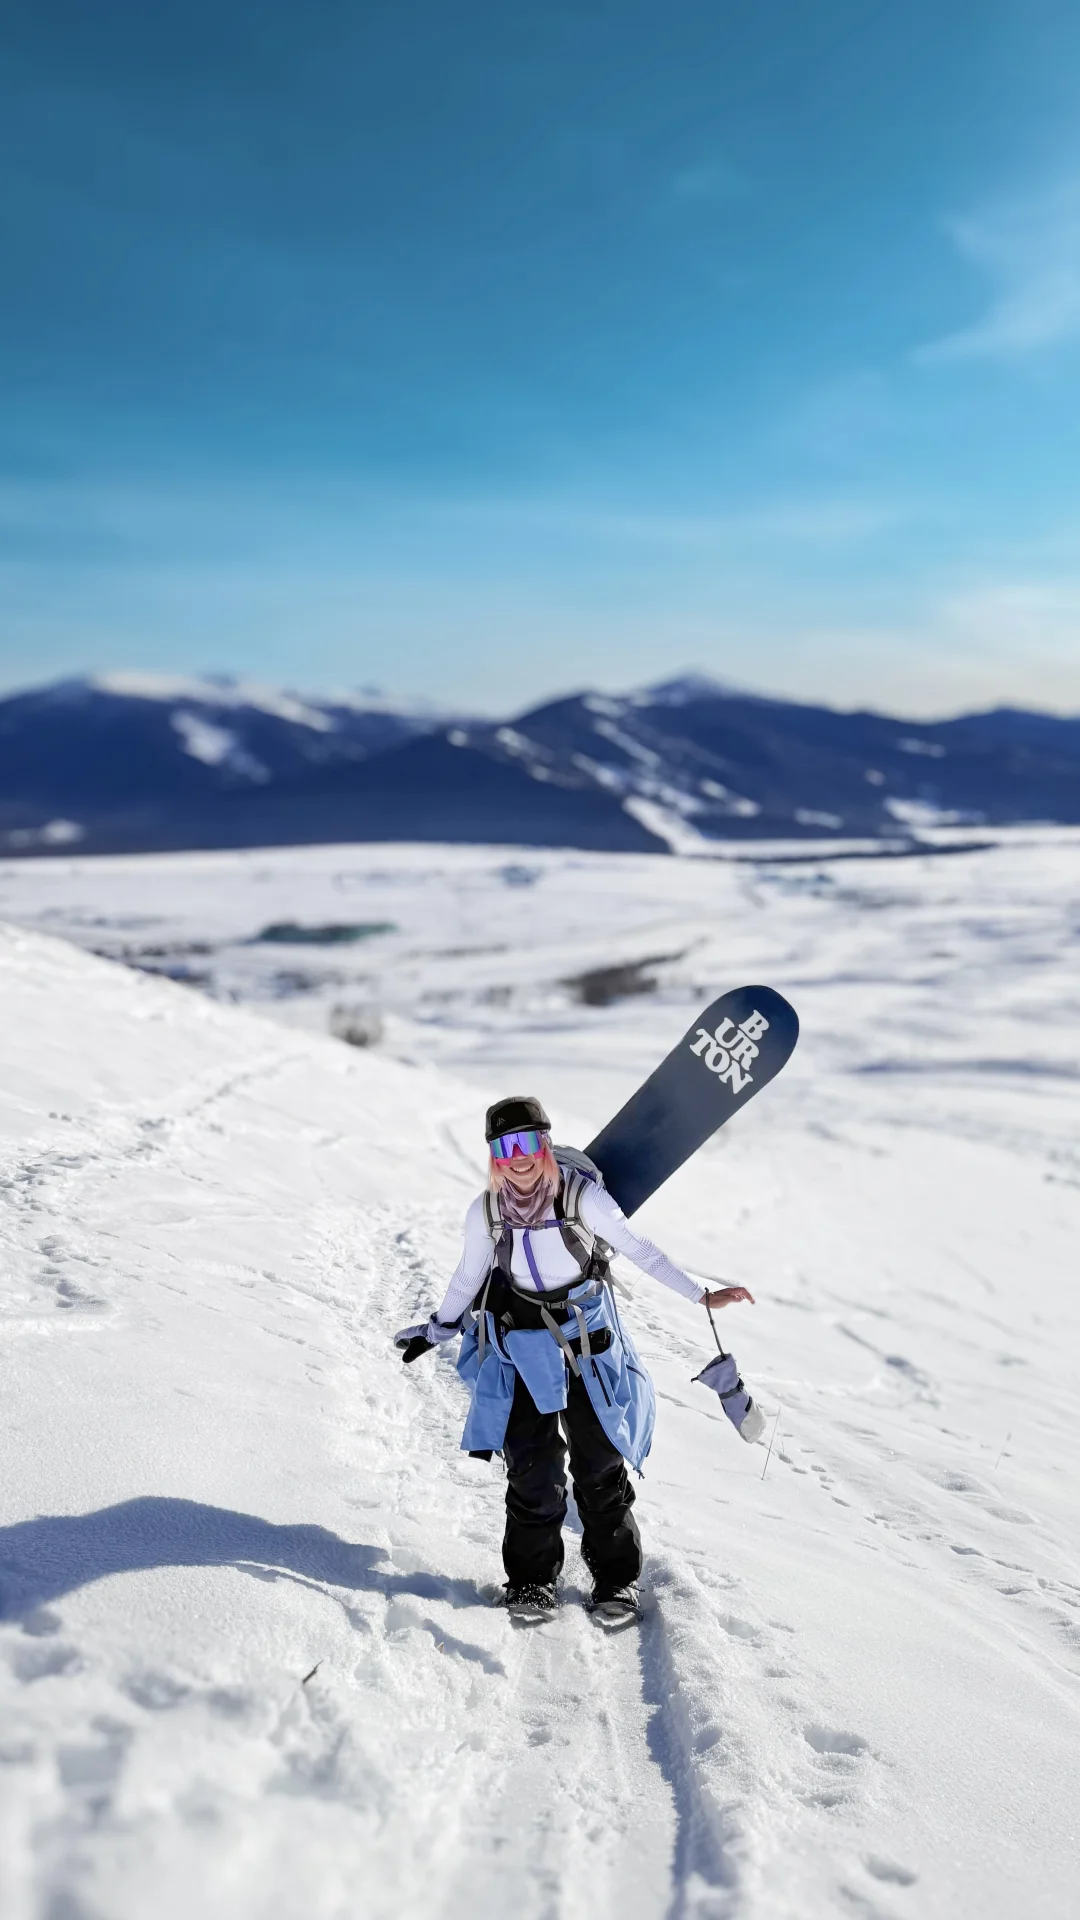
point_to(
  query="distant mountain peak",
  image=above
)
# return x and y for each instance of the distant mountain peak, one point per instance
(686, 687)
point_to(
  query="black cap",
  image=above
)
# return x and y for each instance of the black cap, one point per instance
(517, 1111)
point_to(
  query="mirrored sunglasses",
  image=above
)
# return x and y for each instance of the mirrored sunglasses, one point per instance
(507, 1144)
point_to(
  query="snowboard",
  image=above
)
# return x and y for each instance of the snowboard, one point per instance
(732, 1050)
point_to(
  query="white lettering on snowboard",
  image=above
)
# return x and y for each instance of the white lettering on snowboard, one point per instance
(730, 1051)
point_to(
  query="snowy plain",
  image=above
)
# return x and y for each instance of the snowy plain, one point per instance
(248, 1661)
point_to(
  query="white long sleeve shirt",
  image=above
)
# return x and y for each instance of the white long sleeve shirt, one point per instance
(554, 1262)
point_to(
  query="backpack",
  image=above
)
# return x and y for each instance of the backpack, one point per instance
(578, 1172)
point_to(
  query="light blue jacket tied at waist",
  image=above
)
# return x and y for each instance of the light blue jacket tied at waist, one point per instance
(621, 1391)
(617, 1384)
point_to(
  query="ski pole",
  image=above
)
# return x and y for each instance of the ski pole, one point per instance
(775, 1431)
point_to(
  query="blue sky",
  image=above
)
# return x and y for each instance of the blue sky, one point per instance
(483, 351)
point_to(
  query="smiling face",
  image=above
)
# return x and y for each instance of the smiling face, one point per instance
(524, 1170)
(524, 1173)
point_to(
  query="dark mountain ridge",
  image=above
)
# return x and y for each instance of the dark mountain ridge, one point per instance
(130, 765)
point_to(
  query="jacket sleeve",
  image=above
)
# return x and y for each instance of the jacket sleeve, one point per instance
(600, 1212)
(473, 1267)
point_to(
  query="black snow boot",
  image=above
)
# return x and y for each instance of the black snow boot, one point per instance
(532, 1600)
(614, 1606)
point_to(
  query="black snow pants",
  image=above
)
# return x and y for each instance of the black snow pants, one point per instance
(534, 1454)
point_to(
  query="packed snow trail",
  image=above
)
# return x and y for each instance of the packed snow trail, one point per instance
(248, 1661)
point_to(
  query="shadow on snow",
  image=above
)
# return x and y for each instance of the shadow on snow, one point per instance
(44, 1558)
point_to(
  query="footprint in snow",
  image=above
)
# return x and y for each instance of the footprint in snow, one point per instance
(958, 1483)
(41, 1622)
(908, 1368)
(88, 1769)
(834, 1741)
(889, 1870)
(738, 1629)
(156, 1691)
(43, 1662)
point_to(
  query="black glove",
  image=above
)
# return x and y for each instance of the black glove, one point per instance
(413, 1341)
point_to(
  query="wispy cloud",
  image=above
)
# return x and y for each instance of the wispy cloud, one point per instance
(820, 521)
(1029, 250)
(1033, 620)
(708, 178)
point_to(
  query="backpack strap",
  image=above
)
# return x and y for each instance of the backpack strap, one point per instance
(557, 1333)
(572, 1186)
(501, 1235)
(577, 1236)
(583, 1333)
(481, 1322)
(581, 1239)
(500, 1259)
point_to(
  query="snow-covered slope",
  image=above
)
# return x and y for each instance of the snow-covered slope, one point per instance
(248, 1667)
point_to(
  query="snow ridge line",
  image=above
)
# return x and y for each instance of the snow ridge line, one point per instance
(680, 1675)
(759, 1780)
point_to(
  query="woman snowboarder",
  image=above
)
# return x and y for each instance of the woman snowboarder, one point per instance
(545, 1347)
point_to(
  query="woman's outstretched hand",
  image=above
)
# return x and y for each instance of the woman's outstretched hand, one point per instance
(727, 1296)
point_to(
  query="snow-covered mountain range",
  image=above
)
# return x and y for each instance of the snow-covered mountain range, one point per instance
(130, 763)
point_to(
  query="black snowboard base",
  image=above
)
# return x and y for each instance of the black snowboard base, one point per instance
(732, 1050)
